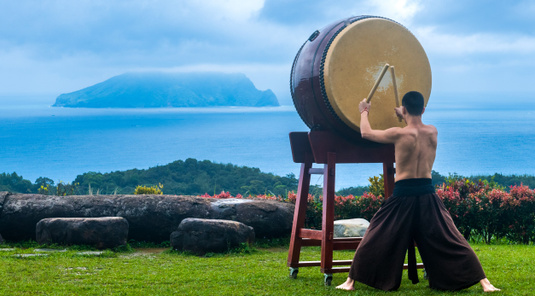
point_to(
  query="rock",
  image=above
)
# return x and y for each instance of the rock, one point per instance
(49, 250)
(350, 227)
(3, 195)
(268, 218)
(151, 217)
(201, 236)
(90, 253)
(30, 255)
(102, 233)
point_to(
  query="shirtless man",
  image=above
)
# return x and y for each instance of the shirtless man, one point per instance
(414, 213)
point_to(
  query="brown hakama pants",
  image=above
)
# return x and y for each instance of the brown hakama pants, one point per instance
(415, 214)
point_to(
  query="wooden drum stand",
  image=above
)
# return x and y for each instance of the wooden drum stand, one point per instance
(327, 148)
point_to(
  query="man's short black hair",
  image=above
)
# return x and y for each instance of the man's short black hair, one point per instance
(413, 101)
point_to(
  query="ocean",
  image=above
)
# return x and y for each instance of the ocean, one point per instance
(37, 140)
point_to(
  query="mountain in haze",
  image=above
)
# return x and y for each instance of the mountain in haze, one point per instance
(152, 90)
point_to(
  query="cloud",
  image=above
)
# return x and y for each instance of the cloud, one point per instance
(319, 13)
(234, 10)
(144, 33)
(61, 45)
(481, 43)
(524, 9)
(55, 28)
(402, 11)
(264, 75)
(175, 32)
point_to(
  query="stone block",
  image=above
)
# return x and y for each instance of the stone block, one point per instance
(350, 227)
(201, 236)
(268, 218)
(102, 232)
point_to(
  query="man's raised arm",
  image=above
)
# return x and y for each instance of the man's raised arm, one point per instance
(388, 136)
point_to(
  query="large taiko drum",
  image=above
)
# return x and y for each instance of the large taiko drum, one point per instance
(338, 66)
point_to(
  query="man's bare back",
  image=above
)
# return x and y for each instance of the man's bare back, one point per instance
(415, 151)
(415, 144)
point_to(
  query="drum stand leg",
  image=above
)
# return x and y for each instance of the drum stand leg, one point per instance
(328, 215)
(299, 218)
(324, 237)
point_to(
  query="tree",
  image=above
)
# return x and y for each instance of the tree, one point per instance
(44, 181)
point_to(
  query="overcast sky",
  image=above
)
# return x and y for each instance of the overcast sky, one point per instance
(52, 47)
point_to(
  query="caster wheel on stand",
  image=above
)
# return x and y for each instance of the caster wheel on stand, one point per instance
(293, 272)
(328, 278)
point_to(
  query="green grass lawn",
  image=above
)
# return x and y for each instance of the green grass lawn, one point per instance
(261, 272)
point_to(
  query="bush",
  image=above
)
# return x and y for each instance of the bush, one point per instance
(149, 190)
(460, 197)
(480, 209)
(521, 214)
(487, 211)
(377, 185)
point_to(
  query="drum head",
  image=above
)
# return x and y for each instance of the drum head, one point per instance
(354, 60)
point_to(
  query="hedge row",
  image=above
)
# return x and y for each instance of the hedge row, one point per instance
(482, 209)
(478, 208)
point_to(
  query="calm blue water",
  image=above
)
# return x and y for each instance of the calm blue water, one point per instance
(37, 140)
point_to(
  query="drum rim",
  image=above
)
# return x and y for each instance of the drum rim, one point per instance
(292, 78)
(330, 28)
(327, 35)
(324, 56)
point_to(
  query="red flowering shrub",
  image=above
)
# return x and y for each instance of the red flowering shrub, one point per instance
(477, 208)
(490, 212)
(460, 197)
(268, 197)
(344, 206)
(368, 204)
(522, 210)
(292, 196)
(491, 216)
(223, 194)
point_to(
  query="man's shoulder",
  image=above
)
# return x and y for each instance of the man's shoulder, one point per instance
(426, 128)
(431, 128)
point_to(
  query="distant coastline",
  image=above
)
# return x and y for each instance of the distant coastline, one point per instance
(170, 90)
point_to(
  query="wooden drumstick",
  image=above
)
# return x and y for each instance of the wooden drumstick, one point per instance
(393, 73)
(377, 83)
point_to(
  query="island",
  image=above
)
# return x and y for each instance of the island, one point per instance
(160, 89)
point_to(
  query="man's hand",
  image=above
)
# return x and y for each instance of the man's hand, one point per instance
(364, 106)
(399, 112)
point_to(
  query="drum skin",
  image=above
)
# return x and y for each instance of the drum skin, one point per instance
(338, 65)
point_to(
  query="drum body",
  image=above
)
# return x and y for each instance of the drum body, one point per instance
(338, 65)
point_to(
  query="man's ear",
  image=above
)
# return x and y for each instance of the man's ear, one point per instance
(423, 110)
